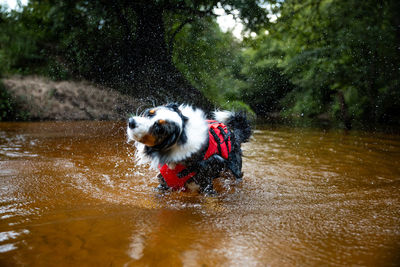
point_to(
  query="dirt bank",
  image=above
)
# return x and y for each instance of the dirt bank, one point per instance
(44, 99)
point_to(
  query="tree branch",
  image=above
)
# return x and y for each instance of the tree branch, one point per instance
(122, 19)
(182, 8)
(176, 31)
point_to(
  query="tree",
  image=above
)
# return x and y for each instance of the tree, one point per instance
(125, 44)
(210, 60)
(342, 57)
(265, 82)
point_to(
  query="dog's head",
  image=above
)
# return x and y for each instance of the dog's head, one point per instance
(158, 128)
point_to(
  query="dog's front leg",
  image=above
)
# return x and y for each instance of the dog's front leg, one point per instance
(205, 183)
(235, 164)
(163, 185)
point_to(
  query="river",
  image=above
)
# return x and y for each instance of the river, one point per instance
(71, 194)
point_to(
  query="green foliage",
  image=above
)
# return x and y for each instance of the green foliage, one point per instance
(344, 47)
(210, 60)
(264, 81)
(318, 51)
(237, 105)
(30, 42)
(8, 108)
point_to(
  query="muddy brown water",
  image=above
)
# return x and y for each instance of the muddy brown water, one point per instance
(71, 194)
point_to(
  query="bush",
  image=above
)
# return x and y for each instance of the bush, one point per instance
(239, 106)
(9, 109)
(6, 104)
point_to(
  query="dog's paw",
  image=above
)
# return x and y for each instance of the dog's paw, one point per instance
(208, 190)
(161, 188)
(239, 176)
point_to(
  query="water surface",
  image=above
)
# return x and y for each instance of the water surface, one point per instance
(71, 194)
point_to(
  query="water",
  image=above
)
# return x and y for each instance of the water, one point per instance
(70, 194)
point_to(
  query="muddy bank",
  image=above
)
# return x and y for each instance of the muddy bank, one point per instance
(44, 99)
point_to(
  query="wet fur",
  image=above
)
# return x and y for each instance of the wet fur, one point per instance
(181, 134)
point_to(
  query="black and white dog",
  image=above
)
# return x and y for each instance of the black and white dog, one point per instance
(189, 150)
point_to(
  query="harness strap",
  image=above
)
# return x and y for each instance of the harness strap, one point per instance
(226, 136)
(216, 138)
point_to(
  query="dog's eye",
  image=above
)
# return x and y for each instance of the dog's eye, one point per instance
(151, 113)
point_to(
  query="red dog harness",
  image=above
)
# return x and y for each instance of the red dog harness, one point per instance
(219, 142)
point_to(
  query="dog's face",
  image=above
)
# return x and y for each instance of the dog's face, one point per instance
(159, 127)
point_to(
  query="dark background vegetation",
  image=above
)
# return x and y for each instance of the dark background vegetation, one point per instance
(330, 60)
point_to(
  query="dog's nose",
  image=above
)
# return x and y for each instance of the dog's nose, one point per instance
(131, 123)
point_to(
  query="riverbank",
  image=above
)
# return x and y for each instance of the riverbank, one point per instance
(43, 99)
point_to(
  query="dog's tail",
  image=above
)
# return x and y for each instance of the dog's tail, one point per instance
(237, 122)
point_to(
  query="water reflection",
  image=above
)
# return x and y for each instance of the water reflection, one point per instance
(71, 193)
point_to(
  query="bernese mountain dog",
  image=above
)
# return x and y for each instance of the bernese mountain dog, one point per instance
(189, 150)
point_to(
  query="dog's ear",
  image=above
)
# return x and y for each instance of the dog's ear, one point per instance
(173, 106)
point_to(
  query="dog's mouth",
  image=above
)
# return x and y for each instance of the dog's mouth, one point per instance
(148, 140)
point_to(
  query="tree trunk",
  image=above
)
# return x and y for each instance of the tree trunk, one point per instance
(344, 111)
(150, 46)
(151, 73)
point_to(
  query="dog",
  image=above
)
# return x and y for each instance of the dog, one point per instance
(189, 150)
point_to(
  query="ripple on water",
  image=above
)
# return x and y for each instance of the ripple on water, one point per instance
(9, 239)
